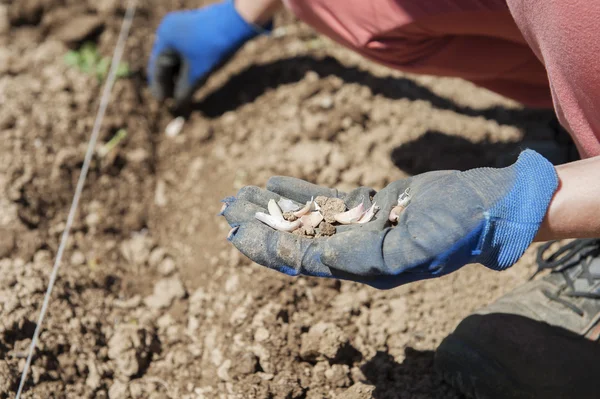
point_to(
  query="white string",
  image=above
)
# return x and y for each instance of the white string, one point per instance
(110, 80)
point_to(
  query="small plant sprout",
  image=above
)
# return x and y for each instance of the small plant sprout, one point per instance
(403, 201)
(88, 60)
(112, 143)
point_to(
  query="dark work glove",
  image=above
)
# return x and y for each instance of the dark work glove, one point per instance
(189, 45)
(488, 216)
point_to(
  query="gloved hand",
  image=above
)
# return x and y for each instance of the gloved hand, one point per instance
(189, 45)
(488, 216)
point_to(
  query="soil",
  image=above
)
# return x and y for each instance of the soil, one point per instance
(151, 300)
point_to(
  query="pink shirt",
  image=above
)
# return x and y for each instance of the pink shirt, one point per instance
(539, 52)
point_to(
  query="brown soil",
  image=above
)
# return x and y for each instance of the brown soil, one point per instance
(152, 301)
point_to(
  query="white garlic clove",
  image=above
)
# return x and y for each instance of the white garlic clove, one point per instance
(287, 205)
(312, 219)
(351, 216)
(174, 127)
(274, 210)
(310, 206)
(369, 214)
(277, 224)
(395, 213)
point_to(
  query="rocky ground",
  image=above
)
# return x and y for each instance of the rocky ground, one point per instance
(152, 302)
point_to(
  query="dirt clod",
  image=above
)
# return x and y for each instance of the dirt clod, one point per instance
(323, 340)
(290, 217)
(165, 292)
(130, 348)
(78, 29)
(359, 391)
(326, 229)
(330, 207)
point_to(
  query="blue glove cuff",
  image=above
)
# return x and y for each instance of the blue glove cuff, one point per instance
(512, 223)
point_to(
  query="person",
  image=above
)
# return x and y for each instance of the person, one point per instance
(539, 341)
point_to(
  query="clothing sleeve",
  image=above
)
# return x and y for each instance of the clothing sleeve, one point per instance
(565, 35)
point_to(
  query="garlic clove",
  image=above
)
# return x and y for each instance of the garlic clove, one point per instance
(274, 209)
(351, 216)
(174, 127)
(310, 206)
(276, 223)
(312, 219)
(369, 214)
(287, 205)
(395, 213)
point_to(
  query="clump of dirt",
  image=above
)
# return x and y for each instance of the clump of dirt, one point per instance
(152, 301)
(330, 207)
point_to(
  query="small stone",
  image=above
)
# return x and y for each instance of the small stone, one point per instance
(77, 258)
(156, 256)
(247, 364)
(290, 217)
(266, 376)
(326, 229)
(138, 155)
(130, 303)
(338, 375)
(309, 231)
(167, 266)
(359, 391)
(174, 127)
(261, 334)
(165, 292)
(93, 379)
(136, 250)
(129, 348)
(160, 196)
(165, 321)
(325, 102)
(323, 340)
(92, 219)
(118, 390)
(223, 370)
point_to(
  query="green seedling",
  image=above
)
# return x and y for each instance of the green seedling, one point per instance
(112, 143)
(88, 60)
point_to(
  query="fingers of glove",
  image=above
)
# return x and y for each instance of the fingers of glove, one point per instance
(285, 252)
(369, 254)
(357, 252)
(257, 195)
(422, 235)
(249, 200)
(163, 70)
(186, 85)
(239, 211)
(299, 190)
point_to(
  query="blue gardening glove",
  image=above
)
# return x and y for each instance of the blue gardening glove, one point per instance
(488, 216)
(189, 45)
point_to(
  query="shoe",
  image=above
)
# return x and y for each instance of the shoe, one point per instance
(539, 341)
